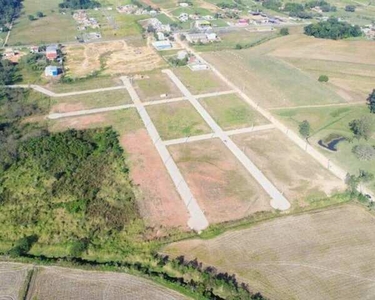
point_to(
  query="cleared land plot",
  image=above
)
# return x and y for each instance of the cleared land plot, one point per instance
(60, 283)
(177, 120)
(322, 255)
(223, 188)
(53, 28)
(199, 82)
(93, 100)
(271, 81)
(352, 81)
(231, 112)
(295, 173)
(326, 121)
(229, 40)
(13, 280)
(84, 84)
(117, 57)
(154, 85)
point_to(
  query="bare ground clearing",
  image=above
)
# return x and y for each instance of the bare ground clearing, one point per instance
(320, 255)
(222, 187)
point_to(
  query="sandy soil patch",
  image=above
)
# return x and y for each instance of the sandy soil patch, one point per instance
(116, 57)
(61, 283)
(292, 171)
(159, 201)
(83, 122)
(224, 189)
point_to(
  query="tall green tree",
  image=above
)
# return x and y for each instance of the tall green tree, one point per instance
(304, 129)
(371, 101)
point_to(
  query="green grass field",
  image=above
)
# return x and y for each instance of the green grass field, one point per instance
(201, 81)
(231, 112)
(333, 120)
(177, 120)
(85, 84)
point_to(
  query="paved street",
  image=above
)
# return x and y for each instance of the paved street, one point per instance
(278, 200)
(197, 220)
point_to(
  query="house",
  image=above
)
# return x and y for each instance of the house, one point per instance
(243, 22)
(162, 45)
(9, 53)
(52, 71)
(196, 38)
(182, 55)
(184, 17)
(211, 36)
(160, 36)
(51, 52)
(34, 49)
(184, 4)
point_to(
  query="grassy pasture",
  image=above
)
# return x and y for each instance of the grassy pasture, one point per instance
(333, 120)
(200, 81)
(320, 255)
(89, 101)
(222, 186)
(53, 28)
(60, 283)
(231, 112)
(177, 120)
(84, 84)
(302, 180)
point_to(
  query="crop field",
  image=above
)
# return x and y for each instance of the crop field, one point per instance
(117, 57)
(200, 81)
(53, 28)
(223, 188)
(154, 85)
(60, 283)
(13, 281)
(320, 255)
(325, 121)
(295, 173)
(231, 112)
(177, 120)
(89, 101)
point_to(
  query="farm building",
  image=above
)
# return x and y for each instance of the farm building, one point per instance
(162, 45)
(51, 71)
(51, 52)
(203, 25)
(196, 38)
(160, 36)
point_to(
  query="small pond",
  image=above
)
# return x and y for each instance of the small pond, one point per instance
(331, 142)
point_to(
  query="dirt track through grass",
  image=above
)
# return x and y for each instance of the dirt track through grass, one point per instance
(320, 255)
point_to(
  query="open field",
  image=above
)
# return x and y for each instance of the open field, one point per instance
(223, 188)
(229, 40)
(110, 58)
(295, 173)
(13, 280)
(54, 27)
(89, 101)
(325, 121)
(84, 84)
(320, 255)
(154, 85)
(200, 81)
(61, 283)
(231, 112)
(177, 120)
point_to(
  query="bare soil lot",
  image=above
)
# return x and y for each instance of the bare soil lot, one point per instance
(89, 101)
(223, 188)
(13, 280)
(320, 255)
(60, 283)
(115, 57)
(177, 120)
(158, 199)
(154, 85)
(295, 173)
(200, 82)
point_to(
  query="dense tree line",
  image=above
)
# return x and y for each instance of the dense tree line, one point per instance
(79, 4)
(333, 29)
(9, 9)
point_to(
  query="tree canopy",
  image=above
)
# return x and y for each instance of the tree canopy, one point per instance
(371, 101)
(79, 4)
(333, 29)
(9, 9)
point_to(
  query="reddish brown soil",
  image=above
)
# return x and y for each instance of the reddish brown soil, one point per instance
(67, 107)
(224, 189)
(160, 204)
(82, 122)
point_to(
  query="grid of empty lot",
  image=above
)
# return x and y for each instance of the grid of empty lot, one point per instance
(319, 255)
